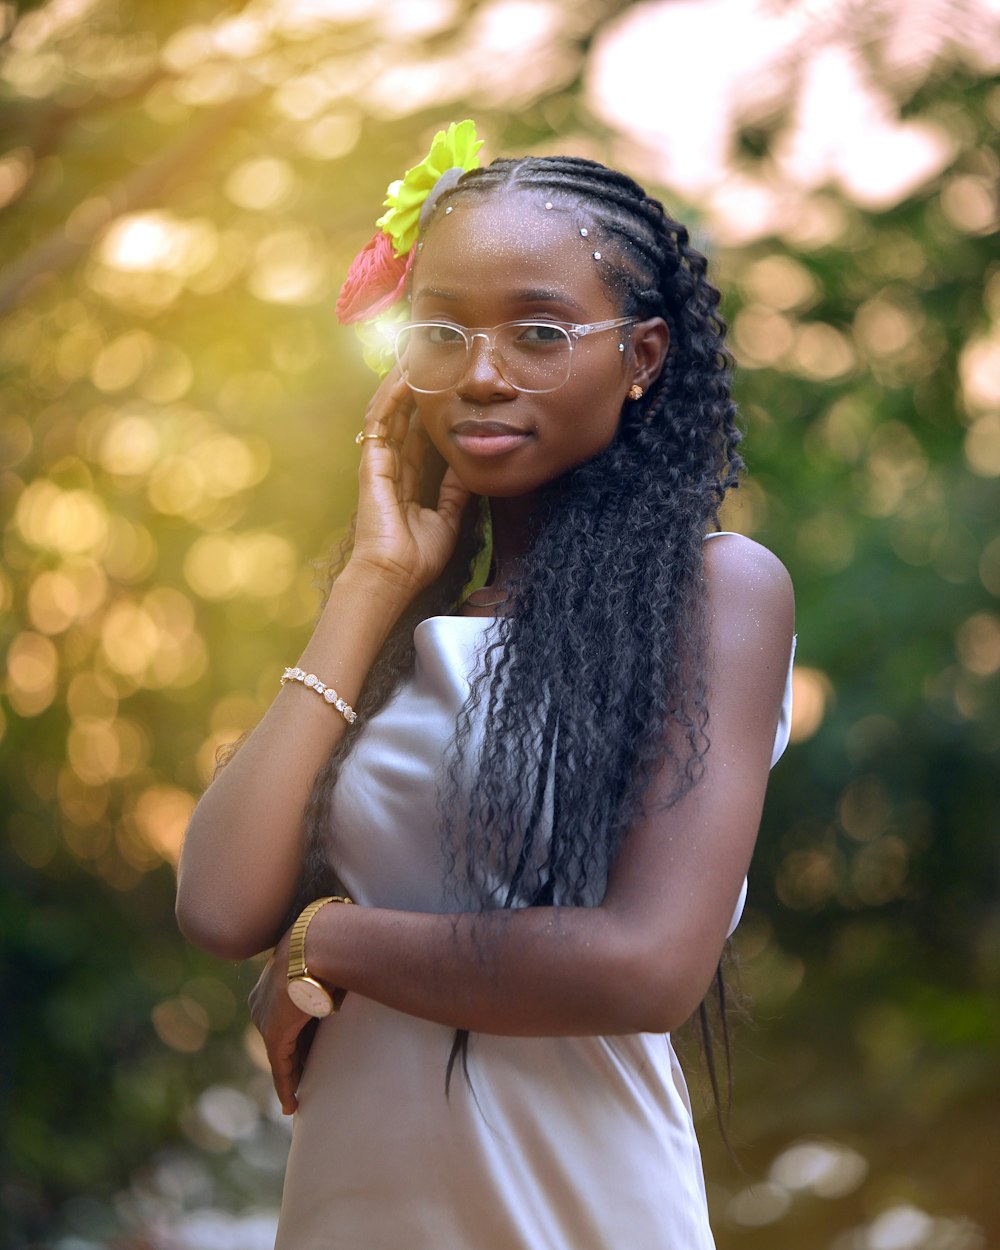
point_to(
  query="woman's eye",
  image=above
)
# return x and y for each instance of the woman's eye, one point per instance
(540, 333)
(441, 335)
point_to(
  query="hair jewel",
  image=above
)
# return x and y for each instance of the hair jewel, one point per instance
(445, 183)
(378, 275)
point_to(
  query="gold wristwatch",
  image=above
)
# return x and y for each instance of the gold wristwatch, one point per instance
(308, 994)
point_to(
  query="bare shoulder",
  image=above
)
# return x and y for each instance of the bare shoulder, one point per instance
(748, 587)
(736, 557)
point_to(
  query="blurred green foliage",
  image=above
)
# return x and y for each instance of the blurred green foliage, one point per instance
(181, 191)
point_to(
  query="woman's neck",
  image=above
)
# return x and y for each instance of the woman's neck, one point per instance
(514, 522)
(512, 527)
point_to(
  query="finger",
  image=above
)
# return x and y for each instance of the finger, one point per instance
(293, 1068)
(288, 1096)
(380, 472)
(392, 401)
(415, 440)
(287, 1100)
(390, 384)
(413, 453)
(382, 439)
(399, 414)
(285, 1073)
(452, 499)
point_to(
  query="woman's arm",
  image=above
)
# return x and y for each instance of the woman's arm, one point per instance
(244, 846)
(643, 959)
(243, 850)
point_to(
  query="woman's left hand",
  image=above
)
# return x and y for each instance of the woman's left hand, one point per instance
(287, 1032)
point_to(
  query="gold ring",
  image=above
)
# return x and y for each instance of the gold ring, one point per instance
(360, 437)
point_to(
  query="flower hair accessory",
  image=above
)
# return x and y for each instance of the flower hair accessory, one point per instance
(377, 278)
(456, 148)
(374, 282)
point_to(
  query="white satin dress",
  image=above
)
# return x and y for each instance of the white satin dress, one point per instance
(565, 1143)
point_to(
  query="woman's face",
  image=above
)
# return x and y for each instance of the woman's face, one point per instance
(508, 258)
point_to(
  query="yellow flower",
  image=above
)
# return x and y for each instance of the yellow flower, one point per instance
(377, 339)
(456, 147)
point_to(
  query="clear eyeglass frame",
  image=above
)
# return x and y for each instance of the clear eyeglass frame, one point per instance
(571, 330)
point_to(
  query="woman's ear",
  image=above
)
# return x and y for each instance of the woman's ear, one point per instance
(650, 344)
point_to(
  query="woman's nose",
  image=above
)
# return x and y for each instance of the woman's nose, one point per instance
(482, 377)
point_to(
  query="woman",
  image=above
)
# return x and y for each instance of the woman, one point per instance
(545, 809)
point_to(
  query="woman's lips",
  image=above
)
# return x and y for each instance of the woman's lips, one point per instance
(487, 438)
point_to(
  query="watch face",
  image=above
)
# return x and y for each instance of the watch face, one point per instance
(309, 996)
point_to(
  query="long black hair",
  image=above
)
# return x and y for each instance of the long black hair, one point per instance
(603, 646)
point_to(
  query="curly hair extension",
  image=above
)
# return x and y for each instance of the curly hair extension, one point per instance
(606, 622)
(605, 638)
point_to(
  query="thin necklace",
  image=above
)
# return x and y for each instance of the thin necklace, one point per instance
(489, 603)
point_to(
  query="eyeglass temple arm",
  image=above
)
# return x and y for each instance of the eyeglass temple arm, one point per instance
(595, 327)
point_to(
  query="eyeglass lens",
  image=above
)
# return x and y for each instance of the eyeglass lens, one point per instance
(534, 356)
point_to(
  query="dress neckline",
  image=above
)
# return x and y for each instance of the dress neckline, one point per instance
(454, 616)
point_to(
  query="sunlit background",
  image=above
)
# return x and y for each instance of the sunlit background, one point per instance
(182, 187)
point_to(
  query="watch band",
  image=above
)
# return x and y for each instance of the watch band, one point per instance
(297, 942)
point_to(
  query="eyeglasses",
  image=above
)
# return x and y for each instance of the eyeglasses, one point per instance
(531, 356)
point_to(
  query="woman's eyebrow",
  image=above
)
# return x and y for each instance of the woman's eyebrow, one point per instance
(546, 295)
(433, 292)
(530, 295)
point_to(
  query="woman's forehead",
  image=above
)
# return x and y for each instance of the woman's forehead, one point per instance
(509, 242)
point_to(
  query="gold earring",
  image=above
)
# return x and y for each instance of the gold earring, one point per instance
(635, 391)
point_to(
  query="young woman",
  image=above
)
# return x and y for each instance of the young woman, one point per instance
(545, 806)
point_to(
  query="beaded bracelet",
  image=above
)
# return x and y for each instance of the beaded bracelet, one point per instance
(328, 692)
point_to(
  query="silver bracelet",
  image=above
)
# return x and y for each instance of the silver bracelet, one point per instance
(328, 692)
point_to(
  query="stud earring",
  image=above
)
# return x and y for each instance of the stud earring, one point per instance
(635, 391)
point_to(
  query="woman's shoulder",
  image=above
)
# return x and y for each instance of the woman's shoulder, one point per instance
(729, 554)
(744, 578)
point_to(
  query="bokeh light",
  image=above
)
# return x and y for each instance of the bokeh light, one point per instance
(182, 190)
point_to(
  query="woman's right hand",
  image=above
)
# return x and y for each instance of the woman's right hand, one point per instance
(397, 540)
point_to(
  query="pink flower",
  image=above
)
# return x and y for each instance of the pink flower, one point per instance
(375, 280)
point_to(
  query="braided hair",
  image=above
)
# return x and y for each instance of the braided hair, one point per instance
(604, 642)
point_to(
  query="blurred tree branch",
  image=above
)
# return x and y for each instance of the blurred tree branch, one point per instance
(142, 187)
(42, 129)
